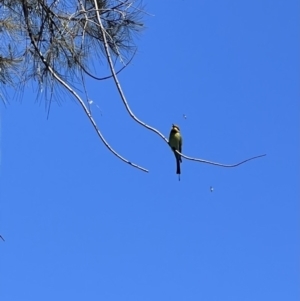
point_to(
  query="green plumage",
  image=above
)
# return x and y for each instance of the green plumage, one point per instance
(175, 142)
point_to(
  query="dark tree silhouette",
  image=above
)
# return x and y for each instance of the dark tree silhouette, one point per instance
(59, 44)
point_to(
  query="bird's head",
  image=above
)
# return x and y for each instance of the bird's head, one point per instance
(175, 127)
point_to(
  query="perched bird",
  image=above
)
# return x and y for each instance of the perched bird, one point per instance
(175, 142)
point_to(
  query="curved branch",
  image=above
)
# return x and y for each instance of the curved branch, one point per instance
(66, 86)
(219, 164)
(122, 95)
(113, 72)
(109, 76)
(77, 61)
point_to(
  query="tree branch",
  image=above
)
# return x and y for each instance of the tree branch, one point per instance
(122, 95)
(66, 86)
(109, 76)
(219, 164)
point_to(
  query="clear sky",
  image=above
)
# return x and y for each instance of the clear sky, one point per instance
(79, 224)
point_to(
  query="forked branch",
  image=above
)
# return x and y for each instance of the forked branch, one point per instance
(122, 95)
(67, 87)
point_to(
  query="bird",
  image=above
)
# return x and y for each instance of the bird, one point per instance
(2, 237)
(175, 142)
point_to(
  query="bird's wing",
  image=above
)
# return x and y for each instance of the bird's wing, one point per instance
(180, 144)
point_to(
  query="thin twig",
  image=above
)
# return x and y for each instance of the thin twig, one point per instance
(122, 95)
(109, 76)
(138, 9)
(113, 72)
(66, 86)
(74, 56)
(219, 164)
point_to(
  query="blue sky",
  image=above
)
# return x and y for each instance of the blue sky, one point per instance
(81, 225)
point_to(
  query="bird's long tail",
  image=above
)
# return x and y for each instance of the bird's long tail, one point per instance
(177, 164)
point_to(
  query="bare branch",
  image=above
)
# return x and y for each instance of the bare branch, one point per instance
(109, 76)
(113, 72)
(219, 164)
(122, 95)
(65, 85)
(65, 39)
